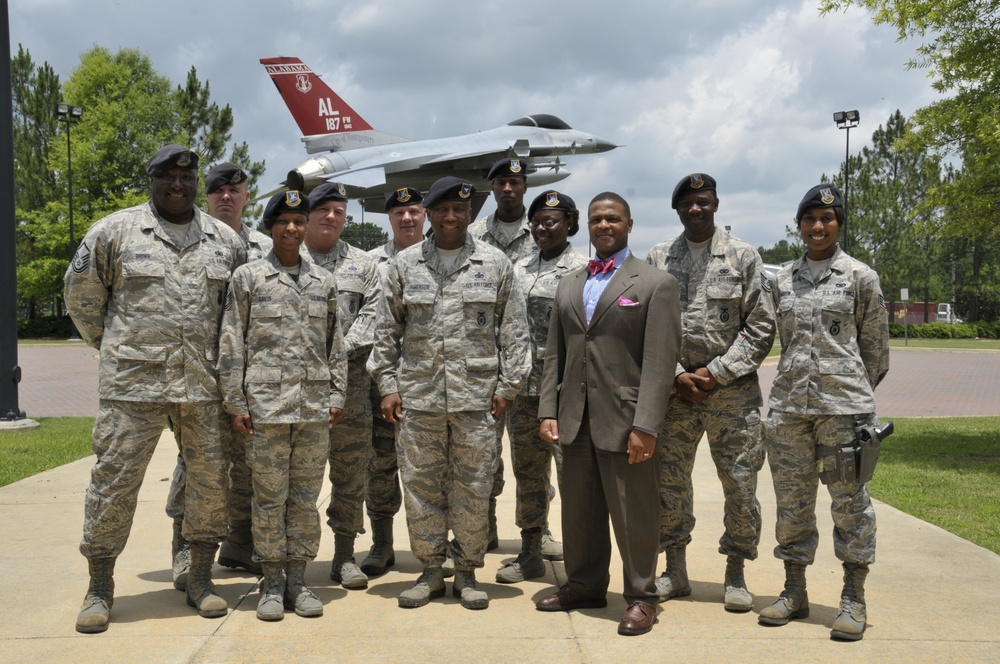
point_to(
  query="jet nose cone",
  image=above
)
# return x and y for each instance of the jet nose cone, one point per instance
(604, 146)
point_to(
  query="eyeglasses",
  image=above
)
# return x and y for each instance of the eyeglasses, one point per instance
(547, 223)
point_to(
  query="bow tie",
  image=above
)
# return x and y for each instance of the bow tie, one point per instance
(596, 265)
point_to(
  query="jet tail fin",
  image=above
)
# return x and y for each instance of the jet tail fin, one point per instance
(316, 108)
(326, 121)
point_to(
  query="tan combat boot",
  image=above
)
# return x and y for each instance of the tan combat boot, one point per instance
(96, 610)
(343, 569)
(200, 591)
(271, 606)
(529, 563)
(738, 598)
(430, 585)
(180, 557)
(850, 624)
(674, 580)
(297, 596)
(793, 602)
(466, 588)
(381, 556)
(237, 551)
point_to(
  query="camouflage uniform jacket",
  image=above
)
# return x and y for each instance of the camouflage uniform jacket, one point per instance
(382, 255)
(539, 290)
(151, 307)
(359, 292)
(257, 244)
(280, 351)
(728, 321)
(449, 341)
(834, 338)
(522, 246)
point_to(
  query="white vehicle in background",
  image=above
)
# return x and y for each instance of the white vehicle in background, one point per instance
(946, 313)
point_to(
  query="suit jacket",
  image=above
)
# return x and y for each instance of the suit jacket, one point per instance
(621, 365)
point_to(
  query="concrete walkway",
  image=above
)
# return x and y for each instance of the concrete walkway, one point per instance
(931, 595)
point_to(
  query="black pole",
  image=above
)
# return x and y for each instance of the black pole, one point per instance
(69, 173)
(847, 183)
(10, 372)
(74, 335)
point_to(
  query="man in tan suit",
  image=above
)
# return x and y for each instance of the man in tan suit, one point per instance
(613, 342)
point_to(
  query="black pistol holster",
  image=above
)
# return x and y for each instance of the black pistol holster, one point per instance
(855, 460)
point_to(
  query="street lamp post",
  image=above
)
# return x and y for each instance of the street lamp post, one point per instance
(69, 115)
(846, 120)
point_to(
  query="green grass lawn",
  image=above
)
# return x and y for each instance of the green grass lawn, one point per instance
(950, 344)
(945, 471)
(57, 441)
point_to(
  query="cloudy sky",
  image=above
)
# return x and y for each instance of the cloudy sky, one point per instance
(741, 89)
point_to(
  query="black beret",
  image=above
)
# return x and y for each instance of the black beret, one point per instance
(820, 196)
(552, 200)
(224, 173)
(693, 182)
(507, 166)
(288, 201)
(449, 188)
(403, 196)
(171, 156)
(329, 191)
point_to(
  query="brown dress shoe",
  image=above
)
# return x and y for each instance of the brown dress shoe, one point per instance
(567, 599)
(638, 619)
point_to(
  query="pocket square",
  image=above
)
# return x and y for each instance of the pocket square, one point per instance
(625, 302)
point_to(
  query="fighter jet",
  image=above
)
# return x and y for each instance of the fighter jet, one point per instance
(371, 163)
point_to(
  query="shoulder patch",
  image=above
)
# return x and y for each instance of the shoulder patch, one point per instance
(81, 261)
(765, 282)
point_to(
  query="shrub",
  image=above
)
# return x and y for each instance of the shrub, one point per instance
(941, 331)
(44, 327)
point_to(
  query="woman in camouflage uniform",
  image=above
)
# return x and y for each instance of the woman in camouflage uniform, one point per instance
(834, 351)
(553, 217)
(283, 373)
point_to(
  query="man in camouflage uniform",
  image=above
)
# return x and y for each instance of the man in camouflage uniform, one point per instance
(146, 287)
(450, 356)
(728, 330)
(834, 352)
(227, 195)
(507, 230)
(358, 292)
(383, 498)
(283, 375)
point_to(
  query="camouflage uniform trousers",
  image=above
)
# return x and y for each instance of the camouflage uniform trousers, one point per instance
(287, 463)
(446, 463)
(532, 460)
(125, 436)
(350, 450)
(735, 439)
(383, 497)
(234, 446)
(792, 444)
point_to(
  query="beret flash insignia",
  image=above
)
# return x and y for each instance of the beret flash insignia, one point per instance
(184, 159)
(341, 189)
(826, 196)
(697, 182)
(552, 199)
(403, 195)
(293, 199)
(515, 165)
(465, 191)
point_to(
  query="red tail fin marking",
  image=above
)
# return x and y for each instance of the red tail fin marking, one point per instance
(316, 108)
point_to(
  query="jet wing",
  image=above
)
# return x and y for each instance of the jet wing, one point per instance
(364, 178)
